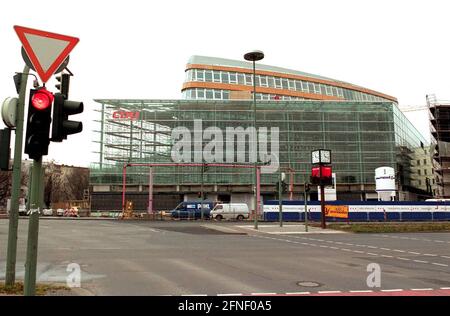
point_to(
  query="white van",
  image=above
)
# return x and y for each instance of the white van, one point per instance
(237, 211)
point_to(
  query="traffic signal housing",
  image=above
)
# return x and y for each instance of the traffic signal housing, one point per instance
(325, 171)
(284, 187)
(38, 123)
(62, 126)
(5, 140)
(63, 84)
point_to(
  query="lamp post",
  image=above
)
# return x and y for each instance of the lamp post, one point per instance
(254, 56)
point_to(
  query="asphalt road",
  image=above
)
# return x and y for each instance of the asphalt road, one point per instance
(186, 258)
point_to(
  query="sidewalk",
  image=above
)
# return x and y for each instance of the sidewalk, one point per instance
(288, 228)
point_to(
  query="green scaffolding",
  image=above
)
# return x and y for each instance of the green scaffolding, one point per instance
(361, 135)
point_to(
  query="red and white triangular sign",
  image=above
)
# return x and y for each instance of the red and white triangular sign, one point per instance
(47, 51)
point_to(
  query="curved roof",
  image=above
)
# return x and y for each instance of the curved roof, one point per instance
(205, 62)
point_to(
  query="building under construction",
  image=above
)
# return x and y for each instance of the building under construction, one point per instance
(363, 128)
(439, 112)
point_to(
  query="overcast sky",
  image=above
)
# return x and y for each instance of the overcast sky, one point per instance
(139, 49)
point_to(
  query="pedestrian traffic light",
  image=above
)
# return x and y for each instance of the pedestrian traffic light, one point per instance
(62, 126)
(38, 123)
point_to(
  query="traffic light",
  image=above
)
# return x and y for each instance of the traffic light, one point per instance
(284, 187)
(326, 171)
(38, 123)
(63, 85)
(5, 139)
(62, 126)
(307, 187)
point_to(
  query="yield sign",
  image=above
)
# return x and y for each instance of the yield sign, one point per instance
(47, 51)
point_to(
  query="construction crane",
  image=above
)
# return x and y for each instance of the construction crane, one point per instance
(414, 108)
(431, 99)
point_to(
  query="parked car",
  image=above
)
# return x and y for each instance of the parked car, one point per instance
(47, 212)
(60, 212)
(192, 210)
(238, 211)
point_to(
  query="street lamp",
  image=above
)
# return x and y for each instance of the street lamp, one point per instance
(254, 56)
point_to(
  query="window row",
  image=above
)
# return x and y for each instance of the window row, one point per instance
(215, 94)
(202, 75)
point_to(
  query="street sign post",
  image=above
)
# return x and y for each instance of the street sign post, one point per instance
(46, 50)
(47, 53)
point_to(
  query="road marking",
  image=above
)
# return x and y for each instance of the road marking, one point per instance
(326, 292)
(261, 294)
(405, 259)
(362, 252)
(194, 295)
(298, 293)
(411, 238)
(440, 264)
(429, 255)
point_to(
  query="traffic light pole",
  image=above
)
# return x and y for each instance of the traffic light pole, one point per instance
(33, 230)
(202, 193)
(17, 172)
(280, 202)
(306, 208)
(322, 199)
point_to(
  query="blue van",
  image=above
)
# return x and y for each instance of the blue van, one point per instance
(192, 210)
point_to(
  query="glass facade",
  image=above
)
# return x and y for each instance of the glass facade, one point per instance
(236, 78)
(219, 94)
(361, 135)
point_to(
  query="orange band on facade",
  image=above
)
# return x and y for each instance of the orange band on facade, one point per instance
(235, 87)
(291, 76)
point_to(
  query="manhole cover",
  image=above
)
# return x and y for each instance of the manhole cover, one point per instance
(308, 284)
